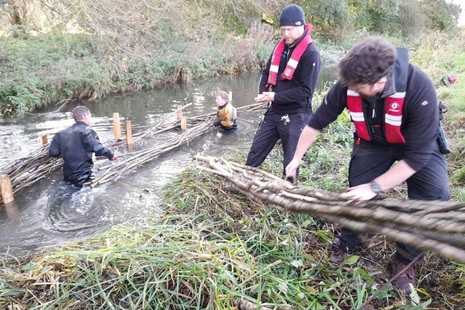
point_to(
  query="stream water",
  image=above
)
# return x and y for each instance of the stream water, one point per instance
(51, 213)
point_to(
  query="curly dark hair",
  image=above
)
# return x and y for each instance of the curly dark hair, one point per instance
(367, 62)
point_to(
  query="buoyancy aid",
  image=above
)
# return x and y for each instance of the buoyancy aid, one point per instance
(393, 105)
(293, 60)
(227, 116)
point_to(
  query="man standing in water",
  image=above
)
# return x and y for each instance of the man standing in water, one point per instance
(287, 83)
(395, 113)
(75, 145)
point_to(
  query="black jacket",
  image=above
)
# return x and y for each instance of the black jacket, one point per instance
(75, 145)
(420, 118)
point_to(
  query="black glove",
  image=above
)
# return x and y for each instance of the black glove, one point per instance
(217, 123)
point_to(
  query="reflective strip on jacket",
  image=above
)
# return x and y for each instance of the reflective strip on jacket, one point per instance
(392, 118)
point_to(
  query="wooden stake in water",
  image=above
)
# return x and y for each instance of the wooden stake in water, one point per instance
(7, 196)
(183, 123)
(7, 191)
(116, 126)
(43, 140)
(129, 140)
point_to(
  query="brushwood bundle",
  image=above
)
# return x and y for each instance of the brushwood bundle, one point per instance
(438, 226)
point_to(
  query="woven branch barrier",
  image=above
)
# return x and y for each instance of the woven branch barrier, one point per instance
(198, 126)
(26, 171)
(438, 226)
(139, 158)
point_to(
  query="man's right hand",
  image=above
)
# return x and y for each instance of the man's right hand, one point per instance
(114, 157)
(291, 169)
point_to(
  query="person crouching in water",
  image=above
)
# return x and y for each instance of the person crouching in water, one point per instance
(226, 113)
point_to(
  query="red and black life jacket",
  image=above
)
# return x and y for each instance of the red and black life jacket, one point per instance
(393, 105)
(293, 60)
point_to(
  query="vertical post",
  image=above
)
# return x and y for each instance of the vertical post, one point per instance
(43, 140)
(7, 191)
(179, 112)
(129, 133)
(183, 123)
(116, 126)
(7, 197)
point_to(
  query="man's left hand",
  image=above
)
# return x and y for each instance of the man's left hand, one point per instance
(359, 192)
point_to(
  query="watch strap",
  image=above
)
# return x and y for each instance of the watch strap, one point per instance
(375, 187)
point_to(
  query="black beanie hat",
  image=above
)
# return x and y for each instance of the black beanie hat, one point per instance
(292, 15)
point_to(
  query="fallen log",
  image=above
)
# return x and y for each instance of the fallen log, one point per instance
(429, 225)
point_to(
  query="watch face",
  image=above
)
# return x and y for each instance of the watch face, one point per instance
(375, 187)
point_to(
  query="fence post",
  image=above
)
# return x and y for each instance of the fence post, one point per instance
(116, 126)
(179, 112)
(129, 135)
(43, 140)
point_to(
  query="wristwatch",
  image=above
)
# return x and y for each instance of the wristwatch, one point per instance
(375, 187)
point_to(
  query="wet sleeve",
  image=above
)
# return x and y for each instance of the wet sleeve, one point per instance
(92, 143)
(54, 149)
(264, 77)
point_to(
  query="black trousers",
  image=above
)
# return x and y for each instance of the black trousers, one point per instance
(430, 183)
(273, 128)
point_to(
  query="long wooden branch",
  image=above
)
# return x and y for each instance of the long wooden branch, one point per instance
(429, 225)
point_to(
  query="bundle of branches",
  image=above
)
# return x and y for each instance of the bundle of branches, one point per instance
(25, 171)
(429, 225)
(197, 125)
(165, 125)
(139, 158)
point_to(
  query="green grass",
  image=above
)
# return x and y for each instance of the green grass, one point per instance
(210, 250)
